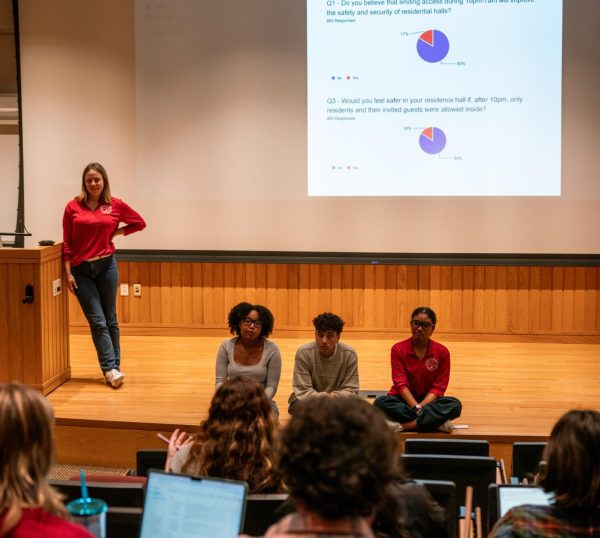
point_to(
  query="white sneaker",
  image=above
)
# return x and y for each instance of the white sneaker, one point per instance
(446, 427)
(114, 378)
(394, 426)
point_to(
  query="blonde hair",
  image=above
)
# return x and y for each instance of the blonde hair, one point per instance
(26, 423)
(105, 197)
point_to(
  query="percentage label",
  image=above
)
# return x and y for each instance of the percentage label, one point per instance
(458, 158)
(462, 64)
(407, 128)
(404, 34)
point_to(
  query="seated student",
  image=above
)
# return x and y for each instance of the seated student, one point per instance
(29, 507)
(250, 352)
(235, 441)
(420, 373)
(573, 476)
(325, 367)
(337, 458)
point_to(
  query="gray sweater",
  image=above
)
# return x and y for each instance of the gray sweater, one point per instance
(266, 372)
(315, 375)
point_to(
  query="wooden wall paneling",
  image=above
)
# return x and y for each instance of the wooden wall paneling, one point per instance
(369, 297)
(591, 303)
(358, 295)
(489, 298)
(535, 279)
(468, 280)
(557, 297)
(196, 292)
(479, 298)
(435, 296)
(455, 294)
(568, 299)
(512, 285)
(579, 299)
(336, 303)
(523, 310)
(379, 296)
(501, 304)
(272, 288)
(220, 310)
(292, 312)
(546, 279)
(262, 283)
(424, 288)
(389, 306)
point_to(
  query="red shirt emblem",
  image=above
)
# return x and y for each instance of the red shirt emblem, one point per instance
(106, 209)
(431, 364)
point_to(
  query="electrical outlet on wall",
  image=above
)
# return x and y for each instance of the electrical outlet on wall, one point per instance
(56, 287)
(124, 290)
(137, 290)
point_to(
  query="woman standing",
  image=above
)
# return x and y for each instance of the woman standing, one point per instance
(90, 223)
(250, 353)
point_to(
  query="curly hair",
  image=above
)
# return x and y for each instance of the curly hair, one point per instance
(26, 422)
(328, 322)
(424, 310)
(236, 440)
(105, 197)
(241, 310)
(337, 456)
(573, 460)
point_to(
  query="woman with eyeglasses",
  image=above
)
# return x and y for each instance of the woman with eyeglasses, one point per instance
(420, 373)
(250, 352)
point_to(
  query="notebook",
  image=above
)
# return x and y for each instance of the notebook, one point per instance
(517, 495)
(184, 506)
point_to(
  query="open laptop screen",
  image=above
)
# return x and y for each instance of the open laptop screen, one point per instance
(510, 496)
(185, 506)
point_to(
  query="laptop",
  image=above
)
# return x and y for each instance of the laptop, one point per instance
(186, 506)
(511, 495)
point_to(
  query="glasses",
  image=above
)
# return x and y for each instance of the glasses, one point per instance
(425, 324)
(248, 322)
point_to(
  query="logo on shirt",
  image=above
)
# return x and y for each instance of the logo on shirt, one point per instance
(106, 209)
(432, 364)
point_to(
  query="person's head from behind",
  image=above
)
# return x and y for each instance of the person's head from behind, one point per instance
(573, 460)
(236, 440)
(328, 329)
(26, 450)
(336, 457)
(250, 321)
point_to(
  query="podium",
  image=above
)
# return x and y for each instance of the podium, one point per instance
(34, 329)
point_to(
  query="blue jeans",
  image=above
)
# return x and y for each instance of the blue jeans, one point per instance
(96, 292)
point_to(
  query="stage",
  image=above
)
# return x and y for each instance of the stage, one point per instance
(512, 388)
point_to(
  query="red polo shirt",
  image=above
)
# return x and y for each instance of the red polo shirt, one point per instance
(421, 376)
(88, 233)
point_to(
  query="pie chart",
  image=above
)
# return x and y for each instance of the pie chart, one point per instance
(432, 140)
(433, 46)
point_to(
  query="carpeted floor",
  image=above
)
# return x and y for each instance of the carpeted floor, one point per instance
(65, 472)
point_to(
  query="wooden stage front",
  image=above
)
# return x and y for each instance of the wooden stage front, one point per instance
(512, 389)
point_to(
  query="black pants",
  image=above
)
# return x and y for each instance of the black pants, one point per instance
(433, 415)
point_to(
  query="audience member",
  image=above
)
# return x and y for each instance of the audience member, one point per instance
(235, 441)
(420, 373)
(29, 507)
(250, 353)
(325, 367)
(337, 458)
(572, 476)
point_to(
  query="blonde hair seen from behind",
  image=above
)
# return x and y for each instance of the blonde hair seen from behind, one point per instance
(26, 451)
